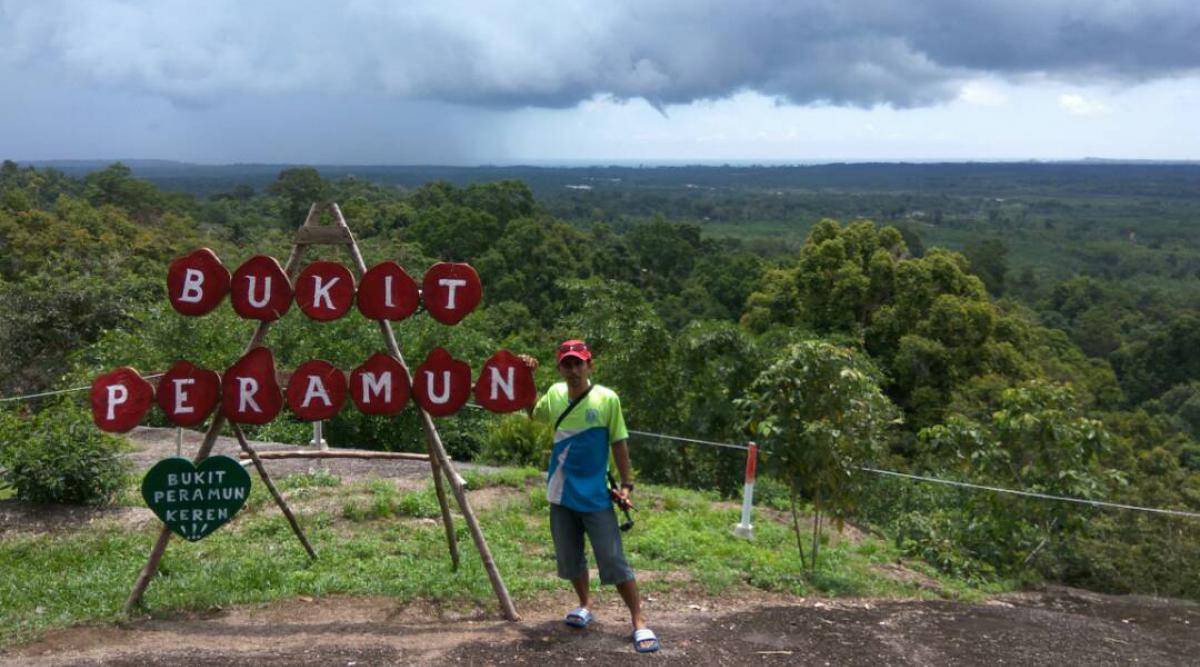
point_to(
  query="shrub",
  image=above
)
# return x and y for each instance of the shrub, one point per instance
(517, 440)
(59, 456)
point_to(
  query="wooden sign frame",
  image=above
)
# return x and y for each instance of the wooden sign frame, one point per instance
(311, 233)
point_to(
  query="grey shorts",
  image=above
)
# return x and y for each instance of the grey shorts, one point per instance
(568, 526)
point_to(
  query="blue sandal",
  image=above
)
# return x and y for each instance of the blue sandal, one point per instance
(578, 617)
(645, 636)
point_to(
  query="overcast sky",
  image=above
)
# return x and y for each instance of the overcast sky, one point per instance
(499, 82)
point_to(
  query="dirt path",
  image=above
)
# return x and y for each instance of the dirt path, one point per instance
(1054, 627)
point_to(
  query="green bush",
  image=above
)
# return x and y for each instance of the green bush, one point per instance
(517, 440)
(59, 456)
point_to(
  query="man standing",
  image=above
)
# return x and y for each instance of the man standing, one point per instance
(588, 423)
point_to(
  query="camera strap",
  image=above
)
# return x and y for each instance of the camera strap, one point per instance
(571, 406)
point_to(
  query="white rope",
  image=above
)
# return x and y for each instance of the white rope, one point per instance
(1033, 494)
(27, 397)
(968, 485)
(935, 480)
(44, 393)
(693, 440)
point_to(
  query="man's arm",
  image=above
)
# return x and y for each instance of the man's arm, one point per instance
(532, 364)
(620, 450)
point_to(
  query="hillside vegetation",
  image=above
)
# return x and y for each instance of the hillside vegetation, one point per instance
(1020, 331)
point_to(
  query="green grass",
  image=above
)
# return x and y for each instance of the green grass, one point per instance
(517, 478)
(380, 540)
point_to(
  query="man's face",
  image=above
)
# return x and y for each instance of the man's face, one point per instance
(574, 370)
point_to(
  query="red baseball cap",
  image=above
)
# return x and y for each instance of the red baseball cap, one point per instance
(574, 348)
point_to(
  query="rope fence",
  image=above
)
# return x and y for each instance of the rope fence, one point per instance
(754, 449)
(29, 397)
(950, 482)
(1032, 494)
(677, 438)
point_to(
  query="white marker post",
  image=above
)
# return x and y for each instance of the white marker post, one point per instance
(318, 440)
(745, 528)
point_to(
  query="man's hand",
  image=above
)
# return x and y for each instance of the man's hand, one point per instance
(532, 364)
(622, 497)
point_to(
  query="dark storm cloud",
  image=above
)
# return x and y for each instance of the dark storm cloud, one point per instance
(516, 54)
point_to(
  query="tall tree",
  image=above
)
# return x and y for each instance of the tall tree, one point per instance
(299, 187)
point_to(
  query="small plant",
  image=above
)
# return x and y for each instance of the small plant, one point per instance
(308, 480)
(59, 456)
(418, 504)
(354, 510)
(517, 440)
(820, 412)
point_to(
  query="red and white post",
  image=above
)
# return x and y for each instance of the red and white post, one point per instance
(745, 528)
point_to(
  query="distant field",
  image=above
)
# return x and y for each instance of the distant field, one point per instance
(1057, 219)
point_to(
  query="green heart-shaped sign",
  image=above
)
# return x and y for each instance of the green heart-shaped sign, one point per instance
(196, 500)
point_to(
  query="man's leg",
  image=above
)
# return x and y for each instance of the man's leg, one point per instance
(567, 529)
(582, 589)
(629, 593)
(605, 536)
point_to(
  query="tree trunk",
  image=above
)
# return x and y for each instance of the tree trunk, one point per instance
(816, 536)
(796, 525)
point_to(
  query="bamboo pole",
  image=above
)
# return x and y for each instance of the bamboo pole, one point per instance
(283, 506)
(447, 521)
(389, 337)
(434, 442)
(459, 489)
(292, 268)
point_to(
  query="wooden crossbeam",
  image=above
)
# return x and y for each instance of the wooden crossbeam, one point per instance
(338, 454)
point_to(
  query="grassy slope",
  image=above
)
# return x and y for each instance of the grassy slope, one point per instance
(374, 539)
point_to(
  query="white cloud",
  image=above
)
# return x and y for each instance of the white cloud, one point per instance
(1081, 106)
(981, 94)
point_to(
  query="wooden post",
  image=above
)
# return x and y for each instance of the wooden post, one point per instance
(456, 485)
(434, 443)
(389, 337)
(292, 268)
(447, 521)
(262, 472)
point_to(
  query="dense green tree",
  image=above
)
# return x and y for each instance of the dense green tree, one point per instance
(989, 260)
(299, 188)
(630, 343)
(455, 233)
(1036, 441)
(524, 263)
(729, 277)
(1164, 358)
(116, 186)
(710, 365)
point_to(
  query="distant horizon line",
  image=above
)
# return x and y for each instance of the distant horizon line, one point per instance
(623, 163)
